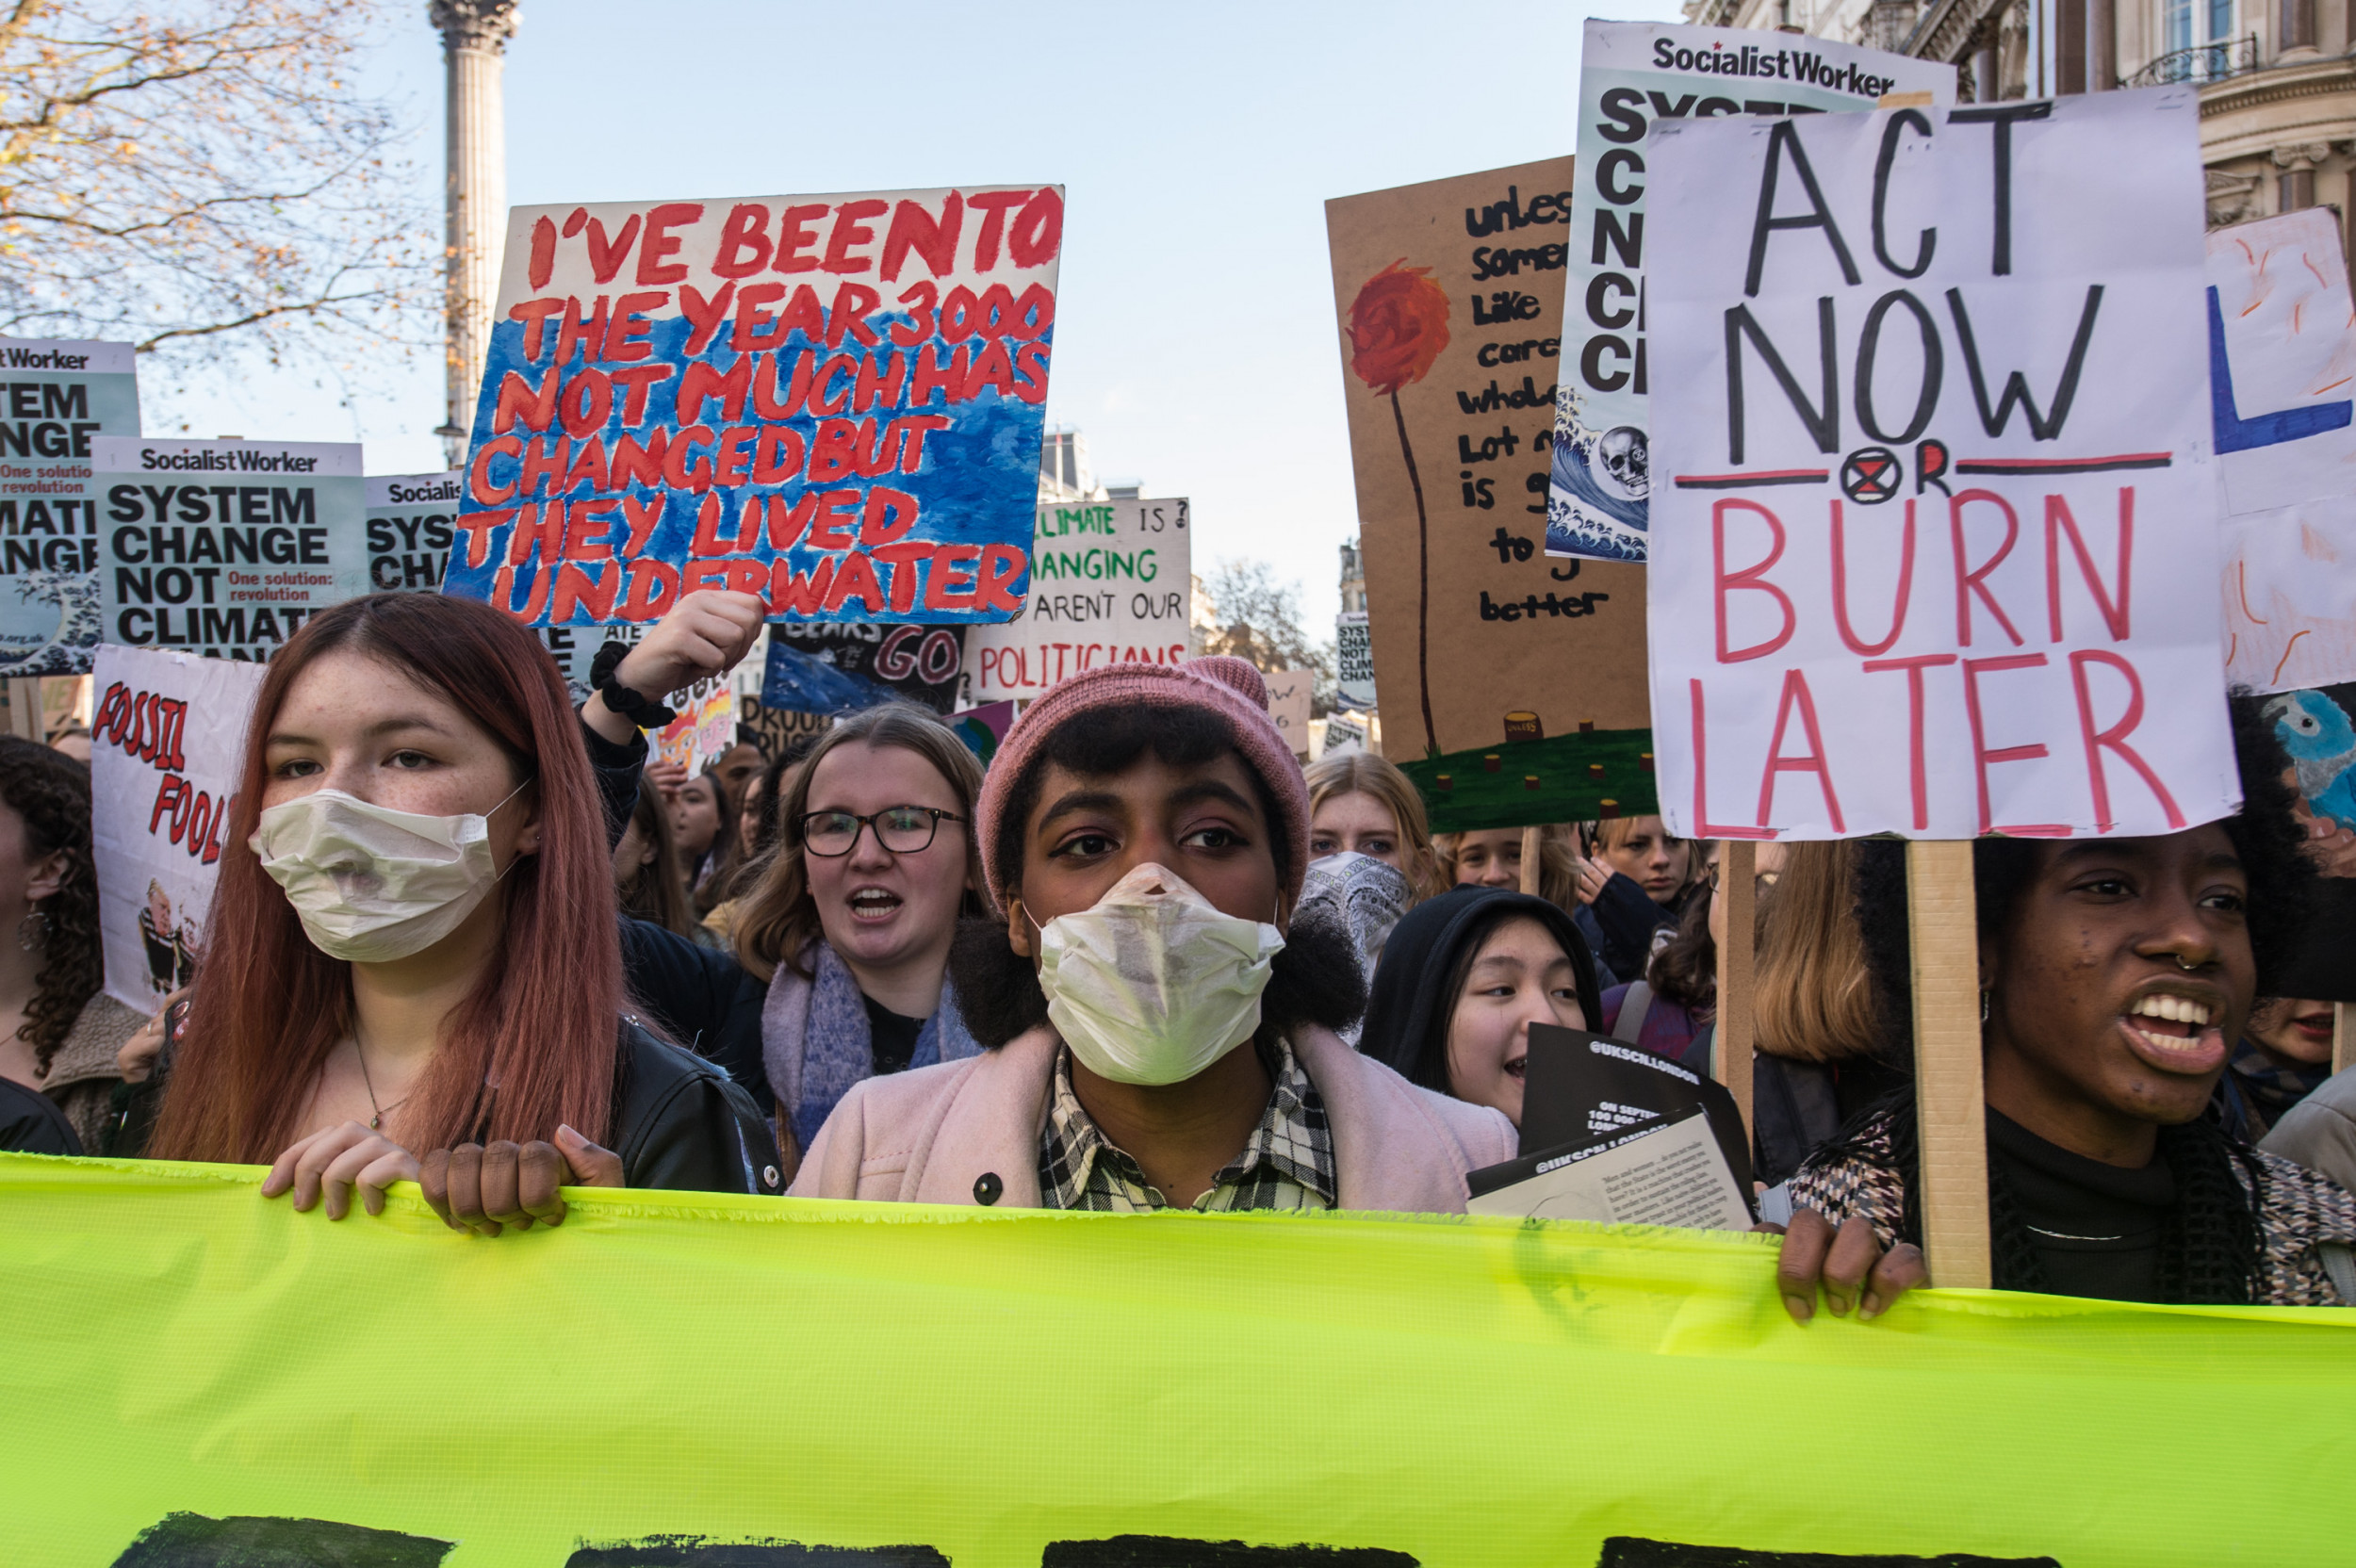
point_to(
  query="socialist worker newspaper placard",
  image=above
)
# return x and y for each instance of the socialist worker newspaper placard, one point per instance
(56, 398)
(1936, 512)
(833, 401)
(226, 548)
(1633, 74)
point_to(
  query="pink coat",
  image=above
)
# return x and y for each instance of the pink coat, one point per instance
(926, 1136)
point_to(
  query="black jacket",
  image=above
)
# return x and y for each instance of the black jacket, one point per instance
(680, 1123)
(30, 1123)
(705, 1000)
(1629, 919)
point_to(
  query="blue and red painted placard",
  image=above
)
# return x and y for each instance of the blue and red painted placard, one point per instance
(833, 401)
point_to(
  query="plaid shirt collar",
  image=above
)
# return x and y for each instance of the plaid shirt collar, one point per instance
(1287, 1163)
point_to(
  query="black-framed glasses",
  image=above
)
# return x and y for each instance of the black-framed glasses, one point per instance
(900, 829)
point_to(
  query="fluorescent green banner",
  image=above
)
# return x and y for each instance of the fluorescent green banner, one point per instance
(185, 1363)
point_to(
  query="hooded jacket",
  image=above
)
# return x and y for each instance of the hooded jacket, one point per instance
(1409, 1010)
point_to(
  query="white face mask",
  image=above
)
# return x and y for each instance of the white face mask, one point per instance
(372, 884)
(1152, 984)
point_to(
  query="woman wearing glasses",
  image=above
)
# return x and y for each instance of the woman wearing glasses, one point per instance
(852, 920)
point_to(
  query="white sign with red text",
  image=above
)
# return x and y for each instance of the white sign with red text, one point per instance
(166, 737)
(1109, 585)
(1935, 518)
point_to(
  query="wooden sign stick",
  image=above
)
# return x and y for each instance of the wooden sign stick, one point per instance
(1533, 847)
(1942, 926)
(1730, 1058)
(2341, 1044)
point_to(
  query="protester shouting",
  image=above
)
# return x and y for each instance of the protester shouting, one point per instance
(413, 970)
(852, 920)
(1462, 979)
(2114, 975)
(1361, 803)
(58, 1030)
(1158, 1029)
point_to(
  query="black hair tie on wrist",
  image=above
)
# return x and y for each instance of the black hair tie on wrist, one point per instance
(640, 710)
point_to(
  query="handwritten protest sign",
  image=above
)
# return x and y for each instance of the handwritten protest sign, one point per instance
(167, 736)
(840, 669)
(705, 727)
(1513, 685)
(2282, 400)
(1633, 74)
(1288, 699)
(833, 401)
(1936, 520)
(55, 399)
(409, 525)
(223, 548)
(1109, 586)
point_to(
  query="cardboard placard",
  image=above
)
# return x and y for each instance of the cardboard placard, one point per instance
(409, 525)
(1633, 74)
(224, 547)
(1288, 694)
(843, 668)
(775, 729)
(1108, 585)
(167, 736)
(55, 398)
(1449, 302)
(704, 728)
(2282, 402)
(1935, 535)
(835, 402)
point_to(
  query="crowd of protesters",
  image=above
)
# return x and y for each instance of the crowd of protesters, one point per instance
(465, 935)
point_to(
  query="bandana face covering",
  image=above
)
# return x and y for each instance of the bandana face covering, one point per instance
(372, 884)
(1152, 984)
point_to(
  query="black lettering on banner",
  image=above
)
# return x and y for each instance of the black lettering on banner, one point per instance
(2017, 385)
(1622, 124)
(1628, 242)
(1869, 344)
(193, 1540)
(1898, 122)
(1612, 169)
(1163, 1551)
(1823, 419)
(1628, 1551)
(677, 1551)
(2000, 116)
(1781, 137)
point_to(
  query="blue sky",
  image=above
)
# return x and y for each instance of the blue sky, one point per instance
(1195, 343)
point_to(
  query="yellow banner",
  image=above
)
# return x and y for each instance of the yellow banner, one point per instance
(196, 1378)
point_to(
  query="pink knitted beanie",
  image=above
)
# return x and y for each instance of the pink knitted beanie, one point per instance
(1230, 687)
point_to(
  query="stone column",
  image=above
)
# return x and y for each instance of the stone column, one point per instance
(2102, 46)
(474, 44)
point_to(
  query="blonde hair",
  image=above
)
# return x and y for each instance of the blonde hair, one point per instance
(778, 919)
(1557, 862)
(1813, 999)
(1361, 773)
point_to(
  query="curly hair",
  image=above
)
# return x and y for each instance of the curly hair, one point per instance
(50, 791)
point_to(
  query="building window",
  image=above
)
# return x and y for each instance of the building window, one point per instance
(2297, 189)
(2187, 23)
(2299, 25)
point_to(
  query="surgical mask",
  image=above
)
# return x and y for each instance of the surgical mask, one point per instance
(372, 884)
(1152, 984)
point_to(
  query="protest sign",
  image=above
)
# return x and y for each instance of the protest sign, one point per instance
(777, 729)
(55, 399)
(1353, 658)
(1935, 536)
(2317, 727)
(166, 737)
(223, 548)
(409, 523)
(845, 667)
(1633, 74)
(2282, 400)
(1288, 697)
(984, 729)
(705, 727)
(2007, 1428)
(1482, 645)
(835, 402)
(1108, 585)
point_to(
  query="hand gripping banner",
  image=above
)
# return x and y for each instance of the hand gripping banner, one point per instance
(198, 1378)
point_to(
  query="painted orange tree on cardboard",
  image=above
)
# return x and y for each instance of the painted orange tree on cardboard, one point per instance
(1397, 326)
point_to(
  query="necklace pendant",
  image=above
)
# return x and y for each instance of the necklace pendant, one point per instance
(376, 1122)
